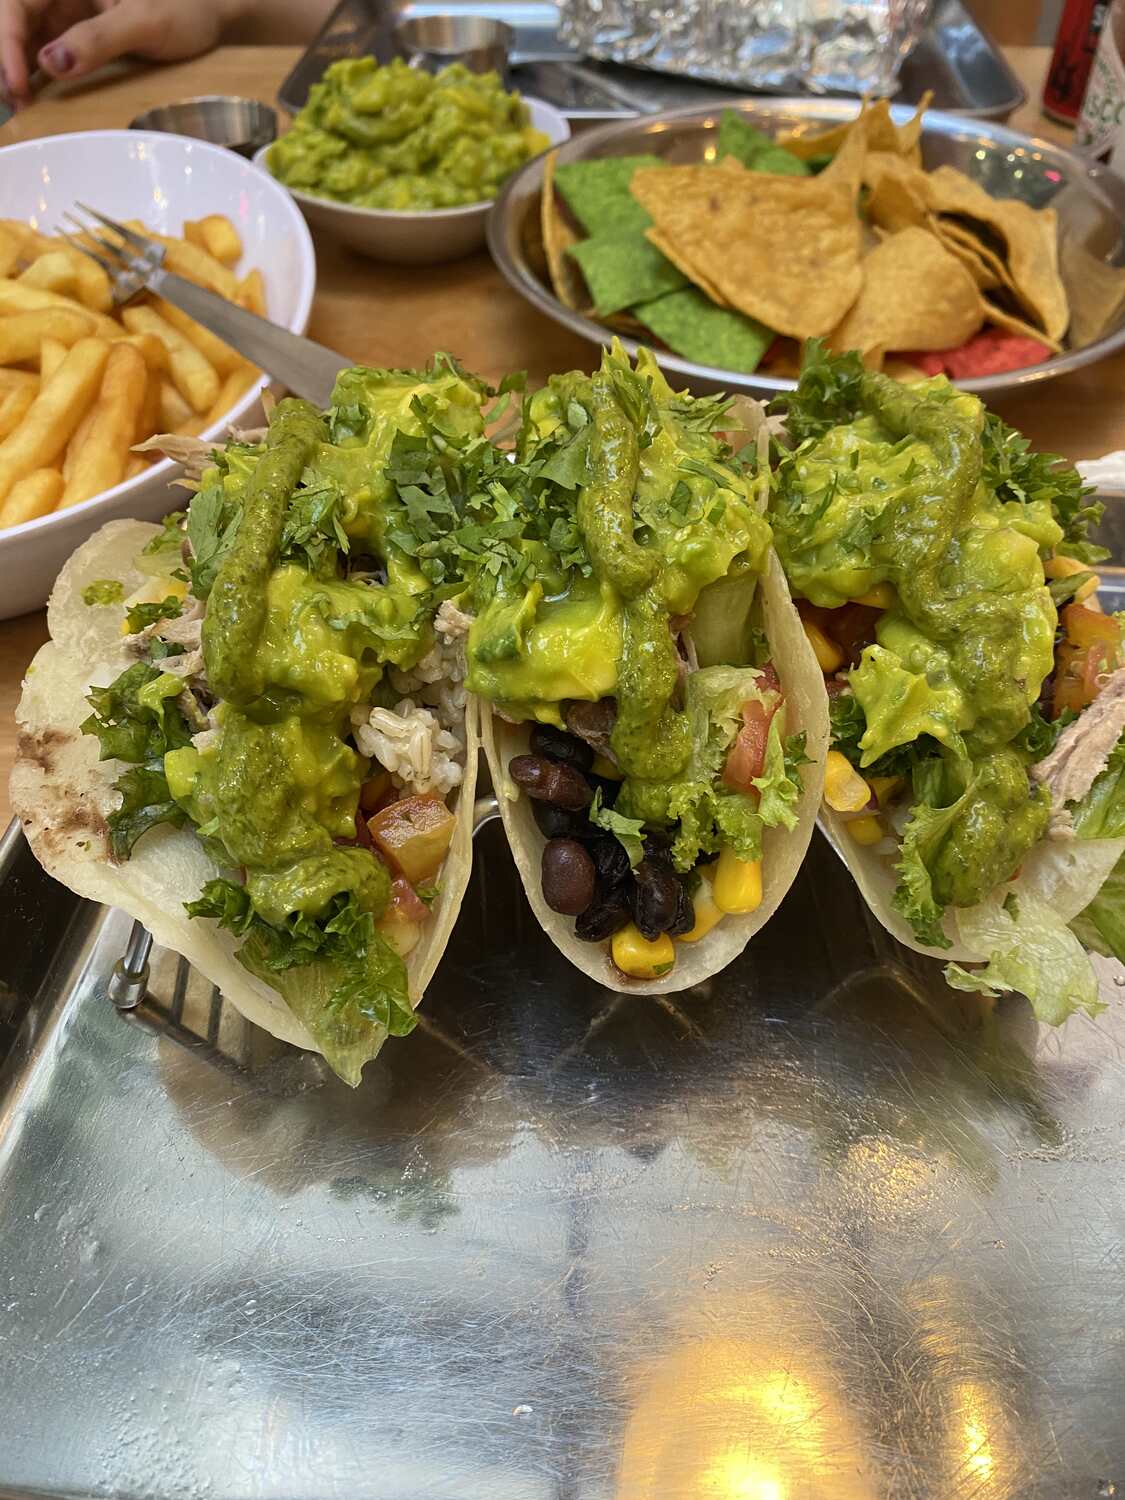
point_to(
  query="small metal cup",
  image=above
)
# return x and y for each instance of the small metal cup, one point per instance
(242, 125)
(433, 42)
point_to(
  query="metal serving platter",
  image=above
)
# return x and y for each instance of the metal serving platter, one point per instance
(953, 58)
(820, 1229)
(1089, 200)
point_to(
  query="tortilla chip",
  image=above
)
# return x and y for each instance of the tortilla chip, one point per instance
(683, 263)
(622, 269)
(692, 326)
(879, 131)
(1030, 238)
(916, 295)
(754, 149)
(558, 237)
(982, 262)
(783, 250)
(896, 197)
(1011, 322)
(1097, 292)
(597, 193)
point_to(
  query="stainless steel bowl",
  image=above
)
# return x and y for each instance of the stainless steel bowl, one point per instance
(241, 125)
(1089, 200)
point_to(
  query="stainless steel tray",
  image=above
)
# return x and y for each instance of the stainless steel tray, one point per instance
(819, 1229)
(955, 58)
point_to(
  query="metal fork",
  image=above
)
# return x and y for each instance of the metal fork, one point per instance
(134, 263)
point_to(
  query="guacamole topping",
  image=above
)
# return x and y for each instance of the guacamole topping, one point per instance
(399, 139)
(307, 603)
(897, 502)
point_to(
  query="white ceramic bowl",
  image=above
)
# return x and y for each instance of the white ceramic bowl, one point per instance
(415, 239)
(162, 179)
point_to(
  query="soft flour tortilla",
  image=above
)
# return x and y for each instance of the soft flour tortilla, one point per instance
(63, 794)
(782, 851)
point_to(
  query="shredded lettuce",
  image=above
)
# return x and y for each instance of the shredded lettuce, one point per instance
(1031, 950)
(914, 897)
(1101, 813)
(629, 832)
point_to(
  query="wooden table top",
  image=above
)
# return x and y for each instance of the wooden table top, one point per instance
(384, 315)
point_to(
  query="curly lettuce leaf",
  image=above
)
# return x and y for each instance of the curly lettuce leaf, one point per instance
(1101, 812)
(1030, 950)
(779, 786)
(338, 976)
(629, 832)
(914, 897)
(133, 724)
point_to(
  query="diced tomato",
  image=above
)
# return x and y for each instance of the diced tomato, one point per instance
(405, 901)
(1087, 627)
(413, 835)
(746, 758)
(853, 628)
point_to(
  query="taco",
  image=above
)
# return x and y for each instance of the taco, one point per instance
(977, 692)
(658, 720)
(249, 729)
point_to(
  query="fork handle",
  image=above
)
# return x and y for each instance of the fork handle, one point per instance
(306, 368)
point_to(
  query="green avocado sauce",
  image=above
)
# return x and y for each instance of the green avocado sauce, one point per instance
(896, 496)
(646, 514)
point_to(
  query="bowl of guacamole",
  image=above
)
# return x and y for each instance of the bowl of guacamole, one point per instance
(404, 165)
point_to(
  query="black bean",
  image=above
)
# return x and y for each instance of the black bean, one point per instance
(567, 874)
(684, 920)
(609, 789)
(551, 782)
(655, 898)
(657, 843)
(602, 918)
(592, 722)
(610, 861)
(559, 823)
(556, 744)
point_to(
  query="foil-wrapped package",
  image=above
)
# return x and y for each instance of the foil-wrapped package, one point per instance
(783, 46)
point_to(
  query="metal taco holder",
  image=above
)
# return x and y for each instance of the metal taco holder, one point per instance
(820, 1224)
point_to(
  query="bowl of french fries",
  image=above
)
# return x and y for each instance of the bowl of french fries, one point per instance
(85, 382)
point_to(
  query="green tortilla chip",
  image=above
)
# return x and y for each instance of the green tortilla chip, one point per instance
(755, 149)
(621, 269)
(692, 326)
(597, 193)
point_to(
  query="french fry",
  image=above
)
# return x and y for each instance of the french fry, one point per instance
(77, 443)
(54, 271)
(174, 410)
(191, 261)
(148, 417)
(15, 297)
(252, 293)
(93, 289)
(154, 352)
(214, 351)
(101, 462)
(9, 379)
(34, 495)
(237, 383)
(137, 465)
(217, 235)
(11, 250)
(14, 406)
(52, 352)
(22, 335)
(54, 414)
(195, 379)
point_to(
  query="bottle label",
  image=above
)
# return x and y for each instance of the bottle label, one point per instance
(1101, 126)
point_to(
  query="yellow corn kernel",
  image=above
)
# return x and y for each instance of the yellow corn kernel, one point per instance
(827, 653)
(882, 596)
(1063, 567)
(865, 831)
(886, 788)
(737, 886)
(844, 789)
(636, 956)
(707, 914)
(603, 766)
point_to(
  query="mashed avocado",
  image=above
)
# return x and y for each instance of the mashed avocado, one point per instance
(899, 495)
(395, 138)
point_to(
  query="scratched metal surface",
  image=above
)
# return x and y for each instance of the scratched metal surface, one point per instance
(820, 1230)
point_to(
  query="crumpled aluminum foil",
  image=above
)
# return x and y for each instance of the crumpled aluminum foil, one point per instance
(783, 46)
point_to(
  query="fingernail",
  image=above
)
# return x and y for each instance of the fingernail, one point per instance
(57, 58)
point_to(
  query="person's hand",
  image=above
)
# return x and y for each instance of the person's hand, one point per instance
(71, 37)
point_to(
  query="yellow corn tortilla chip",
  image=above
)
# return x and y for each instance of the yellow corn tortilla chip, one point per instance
(879, 132)
(784, 250)
(558, 236)
(1031, 238)
(915, 295)
(1097, 292)
(682, 263)
(896, 195)
(982, 262)
(1012, 323)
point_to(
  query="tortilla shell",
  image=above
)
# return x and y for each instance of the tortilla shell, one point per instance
(782, 853)
(63, 795)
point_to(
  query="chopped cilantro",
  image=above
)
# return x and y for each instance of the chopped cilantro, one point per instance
(103, 591)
